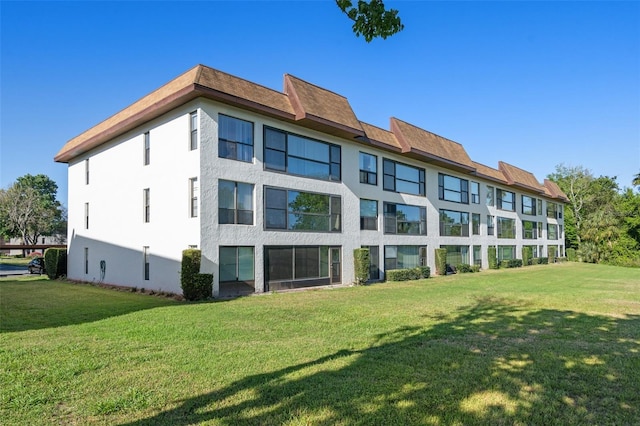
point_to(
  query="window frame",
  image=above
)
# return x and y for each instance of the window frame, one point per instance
(421, 182)
(238, 153)
(421, 256)
(475, 223)
(194, 192)
(389, 215)
(500, 200)
(500, 227)
(146, 149)
(193, 130)
(237, 264)
(146, 263)
(443, 226)
(238, 214)
(366, 174)
(334, 163)
(533, 232)
(363, 219)
(474, 189)
(146, 205)
(529, 206)
(86, 171)
(333, 218)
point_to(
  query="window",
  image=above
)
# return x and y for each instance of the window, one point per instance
(235, 139)
(475, 192)
(457, 255)
(302, 211)
(400, 177)
(490, 195)
(506, 227)
(405, 219)
(560, 234)
(541, 251)
(86, 215)
(147, 149)
(529, 205)
(235, 203)
(369, 214)
(552, 231)
(506, 252)
(193, 197)
(236, 264)
(539, 205)
(404, 257)
(454, 224)
(529, 230)
(193, 130)
(86, 171)
(300, 266)
(368, 169)
(534, 250)
(297, 155)
(477, 255)
(86, 260)
(475, 223)
(146, 200)
(145, 260)
(490, 225)
(454, 189)
(539, 229)
(506, 200)
(553, 210)
(374, 262)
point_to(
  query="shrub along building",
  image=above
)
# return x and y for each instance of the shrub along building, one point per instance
(278, 188)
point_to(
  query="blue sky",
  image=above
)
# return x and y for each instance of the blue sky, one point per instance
(534, 84)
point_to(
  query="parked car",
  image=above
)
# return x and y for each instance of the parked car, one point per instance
(36, 266)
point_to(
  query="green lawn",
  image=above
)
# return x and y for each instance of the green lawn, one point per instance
(549, 344)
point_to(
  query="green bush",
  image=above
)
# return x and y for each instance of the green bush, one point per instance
(540, 260)
(572, 256)
(464, 268)
(552, 254)
(55, 262)
(441, 261)
(492, 257)
(408, 274)
(511, 263)
(361, 264)
(475, 268)
(526, 255)
(195, 286)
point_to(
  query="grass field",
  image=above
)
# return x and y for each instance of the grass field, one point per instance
(544, 345)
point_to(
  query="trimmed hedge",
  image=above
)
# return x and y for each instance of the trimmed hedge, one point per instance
(195, 286)
(361, 264)
(511, 263)
(526, 255)
(55, 262)
(441, 261)
(540, 261)
(465, 268)
(572, 255)
(492, 257)
(552, 254)
(408, 274)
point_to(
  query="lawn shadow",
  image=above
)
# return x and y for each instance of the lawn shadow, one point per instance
(493, 362)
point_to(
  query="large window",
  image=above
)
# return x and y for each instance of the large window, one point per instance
(193, 197)
(454, 189)
(301, 266)
(369, 214)
(368, 169)
(236, 264)
(506, 227)
(400, 177)
(235, 202)
(405, 219)
(297, 155)
(454, 224)
(554, 210)
(374, 262)
(302, 211)
(552, 231)
(235, 138)
(506, 200)
(193, 130)
(529, 205)
(529, 230)
(506, 252)
(404, 257)
(457, 255)
(475, 223)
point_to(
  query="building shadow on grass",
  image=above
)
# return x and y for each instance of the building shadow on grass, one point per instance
(493, 362)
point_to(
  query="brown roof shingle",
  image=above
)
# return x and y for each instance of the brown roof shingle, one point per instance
(432, 147)
(521, 178)
(553, 190)
(489, 172)
(381, 137)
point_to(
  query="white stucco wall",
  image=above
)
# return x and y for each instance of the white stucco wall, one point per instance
(117, 232)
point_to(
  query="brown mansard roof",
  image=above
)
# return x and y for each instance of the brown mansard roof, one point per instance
(309, 106)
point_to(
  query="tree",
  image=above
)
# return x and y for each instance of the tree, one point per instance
(575, 182)
(371, 19)
(636, 180)
(29, 209)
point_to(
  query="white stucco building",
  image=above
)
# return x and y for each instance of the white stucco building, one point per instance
(278, 188)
